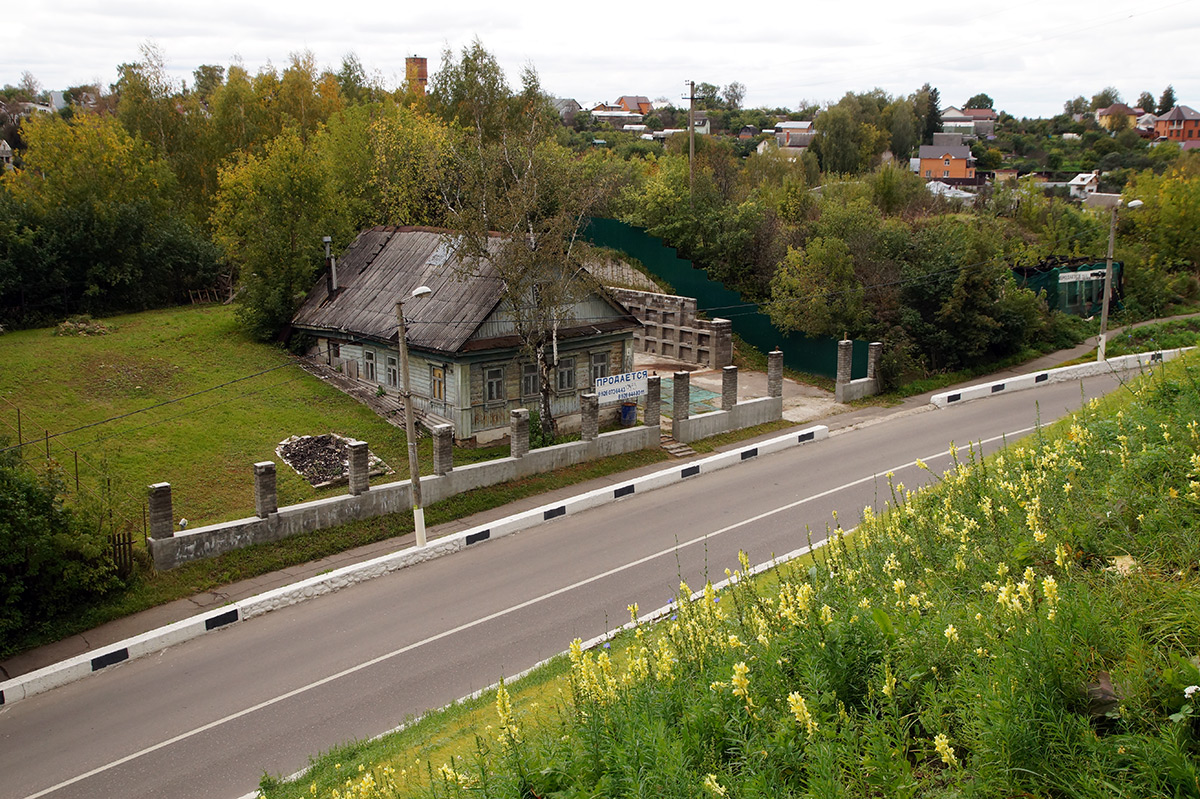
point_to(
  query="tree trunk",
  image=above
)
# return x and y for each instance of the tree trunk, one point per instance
(545, 414)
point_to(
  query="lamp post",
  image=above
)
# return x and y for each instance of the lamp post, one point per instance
(1112, 232)
(410, 424)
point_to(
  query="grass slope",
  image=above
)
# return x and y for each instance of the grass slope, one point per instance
(1028, 627)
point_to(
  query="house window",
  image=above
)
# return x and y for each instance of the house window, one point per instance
(945, 173)
(335, 349)
(928, 173)
(529, 380)
(599, 366)
(493, 384)
(566, 374)
(947, 162)
(437, 382)
(393, 374)
(369, 365)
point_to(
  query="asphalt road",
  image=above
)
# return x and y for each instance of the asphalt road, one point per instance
(207, 718)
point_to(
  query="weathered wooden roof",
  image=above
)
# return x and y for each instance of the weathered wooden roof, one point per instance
(385, 264)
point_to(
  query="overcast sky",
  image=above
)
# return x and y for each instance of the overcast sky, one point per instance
(1029, 55)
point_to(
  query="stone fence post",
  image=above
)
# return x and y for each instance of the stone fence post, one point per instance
(722, 343)
(654, 401)
(729, 385)
(359, 478)
(683, 395)
(443, 448)
(775, 373)
(874, 353)
(589, 406)
(162, 515)
(519, 432)
(266, 498)
(845, 360)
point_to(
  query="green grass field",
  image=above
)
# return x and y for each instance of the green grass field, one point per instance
(180, 396)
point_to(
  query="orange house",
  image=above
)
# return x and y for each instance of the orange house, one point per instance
(939, 162)
(1180, 124)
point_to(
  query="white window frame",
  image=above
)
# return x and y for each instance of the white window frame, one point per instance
(393, 372)
(564, 379)
(599, 364)
(437, 382)
(369, 365)
(493, 384)
(529, 380)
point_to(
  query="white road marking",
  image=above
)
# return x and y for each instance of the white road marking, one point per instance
(491, 617)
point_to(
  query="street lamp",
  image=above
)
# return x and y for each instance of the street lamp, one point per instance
(410, 425)
(1112, 231)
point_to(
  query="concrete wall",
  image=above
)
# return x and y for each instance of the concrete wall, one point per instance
(734, 415)
(170, 551)
(672, 329)
(744, 414)
(847, 390)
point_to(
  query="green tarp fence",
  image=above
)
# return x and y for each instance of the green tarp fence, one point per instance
(1081, 298)
(714, 300)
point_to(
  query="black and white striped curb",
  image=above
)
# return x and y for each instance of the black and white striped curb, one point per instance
(81, 666)
(1061, 375)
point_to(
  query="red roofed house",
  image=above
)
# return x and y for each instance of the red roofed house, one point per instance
(635, 103)
(1180, 124)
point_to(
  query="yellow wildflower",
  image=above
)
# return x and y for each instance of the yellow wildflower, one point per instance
(942, 744)
(799, 709)
(951, 634)
(712, 786)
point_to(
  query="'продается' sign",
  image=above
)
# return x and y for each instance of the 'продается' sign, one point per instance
(626, 386)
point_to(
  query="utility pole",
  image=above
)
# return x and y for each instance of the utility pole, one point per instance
(410, 426)
(691, 98)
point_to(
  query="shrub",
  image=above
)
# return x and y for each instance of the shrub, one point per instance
(51, 561)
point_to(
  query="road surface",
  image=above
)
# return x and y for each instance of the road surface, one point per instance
(207, 718)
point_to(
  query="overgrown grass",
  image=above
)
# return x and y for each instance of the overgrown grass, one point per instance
(1028, 627)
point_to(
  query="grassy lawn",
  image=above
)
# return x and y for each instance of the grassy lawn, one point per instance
(180, 396)
(959, 644)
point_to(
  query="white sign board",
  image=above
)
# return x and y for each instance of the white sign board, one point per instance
(1079, 277)
(618, 388)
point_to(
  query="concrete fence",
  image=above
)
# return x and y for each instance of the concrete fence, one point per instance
(672, 329)
(170, 547)
(847, 390)
(1060, 375)
(733, 415)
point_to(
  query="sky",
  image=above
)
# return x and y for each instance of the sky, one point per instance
(1030, 56)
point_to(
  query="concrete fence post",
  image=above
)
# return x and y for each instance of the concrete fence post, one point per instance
(874, 353)
(443, 448)
(266, 498)
(589, 406)
(683, 395)
(654, 401)
(162, 515)
(775, 373)
(359, 479)
(729, 385)
(519, 427)
(845, 360)
(722, 343)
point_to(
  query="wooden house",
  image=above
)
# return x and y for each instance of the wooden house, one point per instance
(466, 363)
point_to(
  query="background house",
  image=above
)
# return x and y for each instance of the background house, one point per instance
(635, 103)
(1084, 183)
(1107, 117)
(1180, 124)
(466, 363)
(953, 162)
